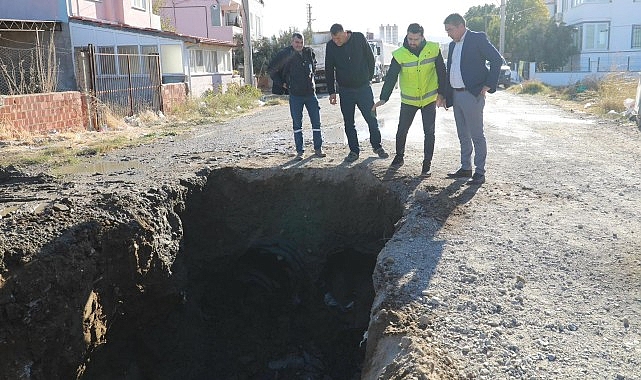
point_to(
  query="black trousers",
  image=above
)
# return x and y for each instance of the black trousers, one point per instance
(428, 113)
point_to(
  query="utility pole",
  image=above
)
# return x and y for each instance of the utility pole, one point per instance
(309, 17)
(502, 29)
(247, 45)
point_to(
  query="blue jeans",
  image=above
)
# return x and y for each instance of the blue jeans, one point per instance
(363, 98)
(296, 104)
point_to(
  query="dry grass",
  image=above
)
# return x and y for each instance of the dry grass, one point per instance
(67, 147)
(592, 95)
(613, 91)
(26, 148)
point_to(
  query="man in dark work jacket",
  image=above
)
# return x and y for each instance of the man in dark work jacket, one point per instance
(349, 60)
(292, 71)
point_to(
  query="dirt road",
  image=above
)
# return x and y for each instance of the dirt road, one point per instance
(534, 275)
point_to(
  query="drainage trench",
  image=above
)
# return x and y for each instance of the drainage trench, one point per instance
(273, 281)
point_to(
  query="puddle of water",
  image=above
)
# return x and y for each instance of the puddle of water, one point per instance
(98, 167)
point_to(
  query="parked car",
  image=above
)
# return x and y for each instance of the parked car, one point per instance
(505, 76)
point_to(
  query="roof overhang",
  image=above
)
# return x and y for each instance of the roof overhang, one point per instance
(29, 25)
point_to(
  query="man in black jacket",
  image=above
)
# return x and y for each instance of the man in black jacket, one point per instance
(350, 58)
(292, 71)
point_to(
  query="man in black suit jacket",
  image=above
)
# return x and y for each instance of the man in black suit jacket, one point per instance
(468, 81)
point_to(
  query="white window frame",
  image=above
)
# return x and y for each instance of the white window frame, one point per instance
(595, 36)
(134, 59)
(576, 3)
(196, 61)
(146, 51)
(139, 4)
(210, 61)
(106, 63)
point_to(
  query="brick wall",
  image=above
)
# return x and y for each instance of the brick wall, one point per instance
(43, 113)
(64, 111)
(173, 94)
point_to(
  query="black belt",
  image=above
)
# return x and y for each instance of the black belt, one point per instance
(460, 89)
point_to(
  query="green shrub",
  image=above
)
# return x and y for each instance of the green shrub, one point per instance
(533, 87)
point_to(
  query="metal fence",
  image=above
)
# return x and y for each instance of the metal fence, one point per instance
(119, 84)
(610, 62)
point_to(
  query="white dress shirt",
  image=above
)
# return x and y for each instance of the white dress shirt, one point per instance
(456, 78)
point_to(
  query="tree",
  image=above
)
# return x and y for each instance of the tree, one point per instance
(479, 17)
(264, 50)
(521, 16)
(558, 46)
(165, 22)
(530, 33)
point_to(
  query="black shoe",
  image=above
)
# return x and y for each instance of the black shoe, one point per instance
(461, 173)
(381, 152)
(398, 160)
(477, 179)
(425, 171)
(319, 153)
(351, 157)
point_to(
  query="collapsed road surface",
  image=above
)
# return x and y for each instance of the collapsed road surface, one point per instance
(213, 255)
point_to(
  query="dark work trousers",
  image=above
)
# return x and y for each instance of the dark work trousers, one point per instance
(428, 113)
(363, 98)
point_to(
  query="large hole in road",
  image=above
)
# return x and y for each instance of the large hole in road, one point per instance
(273, 281)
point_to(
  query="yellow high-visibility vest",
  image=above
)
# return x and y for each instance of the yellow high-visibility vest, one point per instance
(418, 80)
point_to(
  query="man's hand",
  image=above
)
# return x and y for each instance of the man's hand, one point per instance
(332, 99)
(378, 104)
(440, 101)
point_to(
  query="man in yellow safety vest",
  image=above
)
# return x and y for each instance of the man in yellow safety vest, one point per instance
(419, 67)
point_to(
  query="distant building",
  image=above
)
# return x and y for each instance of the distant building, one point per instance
(389, 33)
(215, 19)
(607, 33)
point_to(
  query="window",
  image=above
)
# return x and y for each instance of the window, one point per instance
(196, 61)
(106, 60)
(595, 36)
(215, 15)
(210, 61)
(233, 19)
(128, 60)
(147, 60)
(636, 36)
(576, 3)
(140, 4)
(203, 61)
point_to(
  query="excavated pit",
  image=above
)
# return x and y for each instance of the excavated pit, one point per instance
(273, 280)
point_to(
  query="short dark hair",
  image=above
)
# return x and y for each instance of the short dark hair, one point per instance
(335, 29)
(415, 28)
(454, 19)
(297, 35)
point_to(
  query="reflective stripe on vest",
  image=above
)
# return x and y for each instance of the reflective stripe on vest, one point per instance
(418, 80)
